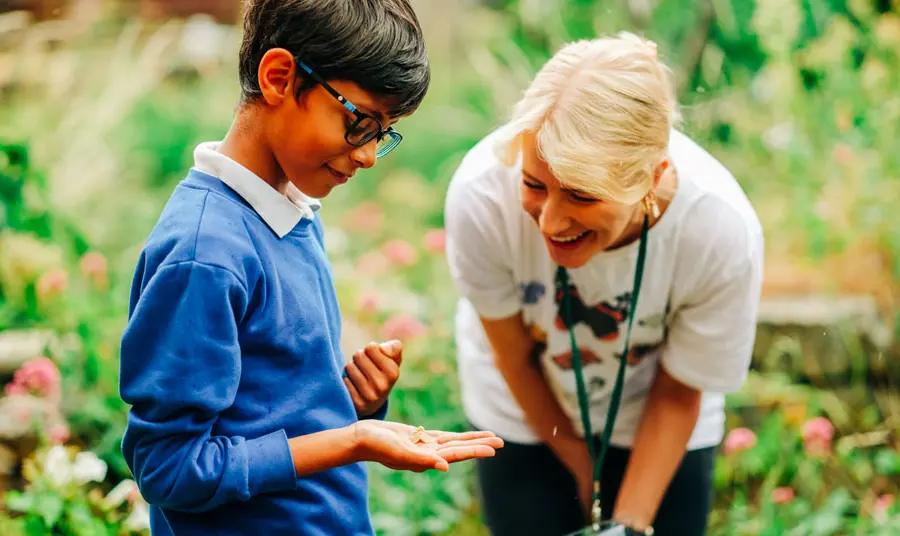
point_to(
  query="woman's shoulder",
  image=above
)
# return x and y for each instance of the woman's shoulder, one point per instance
(717, 224)
(481, 177)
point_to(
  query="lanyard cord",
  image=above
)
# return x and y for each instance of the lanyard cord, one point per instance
(562, 279)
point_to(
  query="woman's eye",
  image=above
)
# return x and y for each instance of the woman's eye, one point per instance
(583, 198)
(533, 185)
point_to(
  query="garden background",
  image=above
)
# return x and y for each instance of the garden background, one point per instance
(102, 103)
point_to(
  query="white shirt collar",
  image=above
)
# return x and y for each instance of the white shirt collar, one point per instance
(280, 212)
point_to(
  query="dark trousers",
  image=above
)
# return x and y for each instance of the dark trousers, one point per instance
(526, 490)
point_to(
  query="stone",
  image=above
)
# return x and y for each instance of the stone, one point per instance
(820, 339)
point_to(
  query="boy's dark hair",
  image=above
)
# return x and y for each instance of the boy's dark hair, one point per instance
(377, 44)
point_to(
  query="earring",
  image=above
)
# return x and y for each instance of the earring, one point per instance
(650, 205)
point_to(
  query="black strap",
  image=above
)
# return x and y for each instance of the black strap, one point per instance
(562, 278)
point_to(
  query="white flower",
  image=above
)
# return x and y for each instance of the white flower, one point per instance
(57, 466)
(139, 519)
(120, 493)
(778, 136)
(335, 240)
(404, 300)
(761, 89)
(88, 468)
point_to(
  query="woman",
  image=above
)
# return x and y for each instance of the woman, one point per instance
(587, 199)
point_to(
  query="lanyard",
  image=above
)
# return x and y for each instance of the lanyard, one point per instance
(562, 280)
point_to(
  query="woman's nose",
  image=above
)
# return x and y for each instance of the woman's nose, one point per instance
(552, 220)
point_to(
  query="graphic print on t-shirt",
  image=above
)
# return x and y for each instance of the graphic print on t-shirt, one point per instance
(564, 360)
(638, 352)
(603, 319)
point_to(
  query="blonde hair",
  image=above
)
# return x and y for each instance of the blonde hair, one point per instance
(601, 111)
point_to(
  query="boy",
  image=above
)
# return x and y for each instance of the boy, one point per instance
(244, 418)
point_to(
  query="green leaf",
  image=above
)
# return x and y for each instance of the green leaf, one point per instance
(887, 462)
(35, 527)
(826, 524)
(82, 521)
(17, 501)
(49, 506)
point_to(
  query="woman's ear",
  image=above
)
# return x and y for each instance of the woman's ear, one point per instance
(660, 170)
(277, 76)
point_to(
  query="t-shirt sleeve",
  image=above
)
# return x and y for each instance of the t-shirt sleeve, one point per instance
(713, 329)
(478, 247)
(180, 368)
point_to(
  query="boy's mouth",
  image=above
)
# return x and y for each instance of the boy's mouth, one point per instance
(341, 178)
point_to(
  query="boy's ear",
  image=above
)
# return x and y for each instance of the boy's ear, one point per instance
(277, 75)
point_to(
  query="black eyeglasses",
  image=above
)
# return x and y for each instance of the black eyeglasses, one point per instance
(365, 128)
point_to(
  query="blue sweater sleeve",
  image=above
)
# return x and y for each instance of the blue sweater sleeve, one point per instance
(180, 367)
(380, 414)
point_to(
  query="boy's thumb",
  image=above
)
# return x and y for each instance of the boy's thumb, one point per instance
(392, 348)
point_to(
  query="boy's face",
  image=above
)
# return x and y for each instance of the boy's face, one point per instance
(307, 134)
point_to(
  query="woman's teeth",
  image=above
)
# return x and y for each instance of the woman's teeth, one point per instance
(567, 239)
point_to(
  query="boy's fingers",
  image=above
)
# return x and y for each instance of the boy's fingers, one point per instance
(376, 378)
(419, 459)
(493, 442)
(392, 349)
(446, 437)
(384, 362)
(354, 394)
(458, 454)
(359, 381)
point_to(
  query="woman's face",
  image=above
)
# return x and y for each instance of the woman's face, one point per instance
(575, 226)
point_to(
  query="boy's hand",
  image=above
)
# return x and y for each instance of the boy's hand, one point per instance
(372, 374)
(403, 447)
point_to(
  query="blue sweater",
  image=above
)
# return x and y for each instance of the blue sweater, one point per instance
(232, 347)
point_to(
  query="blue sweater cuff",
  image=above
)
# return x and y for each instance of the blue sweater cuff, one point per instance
(380, 414)
(271, 466)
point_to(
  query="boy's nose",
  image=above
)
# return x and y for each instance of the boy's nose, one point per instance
(364, 156)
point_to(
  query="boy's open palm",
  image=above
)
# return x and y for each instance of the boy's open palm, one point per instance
(403, 447)
(372, 374)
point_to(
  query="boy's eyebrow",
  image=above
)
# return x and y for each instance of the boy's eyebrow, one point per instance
(372, 111)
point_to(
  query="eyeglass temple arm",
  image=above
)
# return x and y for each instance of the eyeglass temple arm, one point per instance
(321, 81)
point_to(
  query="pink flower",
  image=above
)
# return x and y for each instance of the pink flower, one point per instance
(842, 154)
(782, 495)
(369, 302)
(403, 326)
(372, 263)
(52, 283)
(739, 440)
(436, 241)
(94, 266)
(366, 217)
(59, 434)
(39, 377)
(817, 434)
(400, 253)
(882, 505)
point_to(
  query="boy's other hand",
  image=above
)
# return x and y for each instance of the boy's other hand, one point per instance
(372, 374)
(403, 447)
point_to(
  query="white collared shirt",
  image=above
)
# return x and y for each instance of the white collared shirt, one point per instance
(281, 212)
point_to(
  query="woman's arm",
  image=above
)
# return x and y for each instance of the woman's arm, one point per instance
(512, 347)
(669, 418)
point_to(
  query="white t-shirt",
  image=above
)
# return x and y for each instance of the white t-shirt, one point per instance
(696, 311)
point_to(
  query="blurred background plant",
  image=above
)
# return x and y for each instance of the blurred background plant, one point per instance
(102, 103)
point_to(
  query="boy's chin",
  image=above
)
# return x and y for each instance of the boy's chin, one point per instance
(318, 188)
